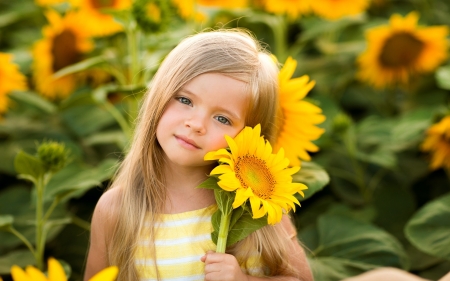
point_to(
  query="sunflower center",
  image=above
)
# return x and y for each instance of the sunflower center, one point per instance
(401, 50)
(253, 172)
(99, 4)
(64, 50)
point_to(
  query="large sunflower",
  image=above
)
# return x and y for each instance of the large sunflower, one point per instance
(256, 174)
(223, 4)
(297, 119)
(95, 20)
(56, 273)
(437, 143)
(63, 44)
(335, 9)
(401, 49)
(292, 8)
(10, 80)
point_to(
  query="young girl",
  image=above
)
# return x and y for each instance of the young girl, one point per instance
(153, 222)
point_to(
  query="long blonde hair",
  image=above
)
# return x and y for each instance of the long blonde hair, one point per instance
(140, 181)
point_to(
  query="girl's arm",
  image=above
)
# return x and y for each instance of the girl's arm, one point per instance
(101, 227)
(226, 267)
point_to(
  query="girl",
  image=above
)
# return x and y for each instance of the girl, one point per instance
(153, 223)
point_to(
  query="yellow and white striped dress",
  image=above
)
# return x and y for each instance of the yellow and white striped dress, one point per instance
(180, 241)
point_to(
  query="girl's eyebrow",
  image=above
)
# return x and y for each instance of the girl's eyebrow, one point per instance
(232, 114)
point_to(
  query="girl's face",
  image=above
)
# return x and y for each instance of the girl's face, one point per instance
(198, 117)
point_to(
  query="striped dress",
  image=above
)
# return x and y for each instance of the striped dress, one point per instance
(180, 241)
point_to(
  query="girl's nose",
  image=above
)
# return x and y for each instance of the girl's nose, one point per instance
(197, 124)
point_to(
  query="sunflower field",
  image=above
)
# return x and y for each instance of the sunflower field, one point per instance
(364, 109)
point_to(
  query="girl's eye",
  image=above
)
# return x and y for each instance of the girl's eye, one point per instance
(184, 100)
(223, 120)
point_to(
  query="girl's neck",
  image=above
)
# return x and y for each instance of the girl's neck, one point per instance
(182, 194)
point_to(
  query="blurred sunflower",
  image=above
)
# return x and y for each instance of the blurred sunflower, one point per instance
(56, 273)
(335, 9)
(401, 49)
(10, 79)
(48, 2)
(188, 10)
(256, 174)
(437, 143)
(297, 119)
(63, 44)
(230, 4)
(292, 8)
(96, 21)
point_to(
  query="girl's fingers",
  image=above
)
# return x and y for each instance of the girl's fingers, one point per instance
(212, 267)
(214, 257)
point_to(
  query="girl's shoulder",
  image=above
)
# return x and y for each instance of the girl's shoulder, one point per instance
(107, 210)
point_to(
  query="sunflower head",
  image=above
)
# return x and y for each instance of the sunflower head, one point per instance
(336, 9)
(255, 173)
(10, 79)
(402, 49)
(56, 273)
(293, 9)
(296, 118)
(437, 143)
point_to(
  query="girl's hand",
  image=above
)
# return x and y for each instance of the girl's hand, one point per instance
(222, 267)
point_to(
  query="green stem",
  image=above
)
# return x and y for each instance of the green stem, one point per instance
(50, 210)
(81, 223)
(119, 118)
(223, 233)
(23, 239)
(39, 253)
(133, 44)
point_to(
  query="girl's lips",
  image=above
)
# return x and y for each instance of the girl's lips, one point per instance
(186, 142)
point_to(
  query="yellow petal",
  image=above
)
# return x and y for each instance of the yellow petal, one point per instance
(241, 196)
(18, 274)
(35, 274)
(107, 274)
(55, 271)
(221, 169)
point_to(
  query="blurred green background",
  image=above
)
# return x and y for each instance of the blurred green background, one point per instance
(74, 72)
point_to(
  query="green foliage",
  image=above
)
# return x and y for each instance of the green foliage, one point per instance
(342, 246)
(313, 176)
(429, 228)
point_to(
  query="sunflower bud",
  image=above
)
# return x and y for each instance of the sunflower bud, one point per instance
(341, 123)
(151, 15)
(53, 155)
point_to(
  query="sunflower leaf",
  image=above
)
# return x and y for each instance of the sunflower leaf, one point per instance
(428, 229)
(28, 165)
(215, 220)
(6, 221)
(224, 200)
(243, 227)
(313, 176)
(210, 183)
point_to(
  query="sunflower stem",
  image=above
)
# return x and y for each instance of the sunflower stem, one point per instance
(223, 232)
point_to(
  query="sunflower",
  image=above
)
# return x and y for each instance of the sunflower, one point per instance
(63, 44)
(48, 2)
(56, 273)
(437, 143)
(335, 9)
(292, 8)
(96, 21)
(297, 119)
(401, 49)
(10, 79)
(256, 174)
(230, 4)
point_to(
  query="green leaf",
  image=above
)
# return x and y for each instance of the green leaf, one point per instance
(224, 200)
(27, 164)
(331, 269)
(6, 221)
(20, 258)
(86, 119)
(117, 137)
(74, 180)
(429, 228)
(243, 227)
(347, 246)
(443, 77)
(210, 183)
(81, 66)
(215, 221)
(35, 100)
(314, 176)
